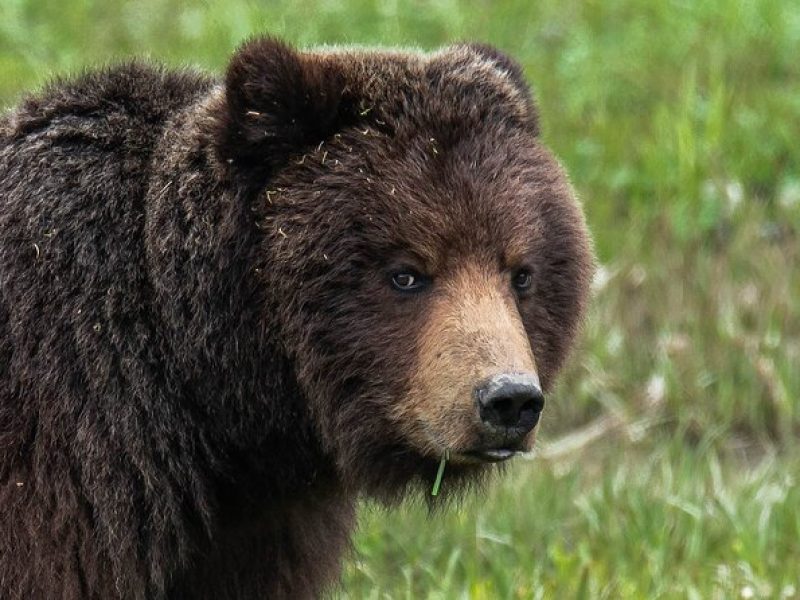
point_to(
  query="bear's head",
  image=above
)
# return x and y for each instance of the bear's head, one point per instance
(425, 263)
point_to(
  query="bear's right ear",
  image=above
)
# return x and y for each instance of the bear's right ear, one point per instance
(277, 103)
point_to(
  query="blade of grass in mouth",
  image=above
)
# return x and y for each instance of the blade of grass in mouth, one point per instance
(440, 473)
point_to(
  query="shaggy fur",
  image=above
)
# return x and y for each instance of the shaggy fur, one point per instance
(201, 356)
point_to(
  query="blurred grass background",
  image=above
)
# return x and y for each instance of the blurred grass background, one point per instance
(669, 464)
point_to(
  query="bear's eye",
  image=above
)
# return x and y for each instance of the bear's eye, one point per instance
(522, 280)
(408, 281)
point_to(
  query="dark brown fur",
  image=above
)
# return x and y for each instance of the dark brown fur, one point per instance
(202, 362)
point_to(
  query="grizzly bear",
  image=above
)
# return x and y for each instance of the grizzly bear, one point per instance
(231, 308)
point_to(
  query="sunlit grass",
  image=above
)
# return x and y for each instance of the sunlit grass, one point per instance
(679, 124)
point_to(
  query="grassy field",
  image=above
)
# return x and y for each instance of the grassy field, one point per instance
(669, 463)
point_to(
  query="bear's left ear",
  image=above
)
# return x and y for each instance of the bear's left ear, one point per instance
(277, 103)
(512, 70)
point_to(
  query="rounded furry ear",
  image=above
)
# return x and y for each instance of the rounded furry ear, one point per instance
(277, 103)
(513, 71)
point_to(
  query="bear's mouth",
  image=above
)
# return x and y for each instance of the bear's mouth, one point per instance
(486, 455)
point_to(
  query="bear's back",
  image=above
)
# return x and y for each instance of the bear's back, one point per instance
(130, 94)
(78, 337)
(93, 132)
(75, 160)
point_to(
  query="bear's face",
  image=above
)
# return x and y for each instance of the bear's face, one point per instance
(425, 260)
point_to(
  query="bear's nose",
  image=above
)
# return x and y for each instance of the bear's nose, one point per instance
(510, 402)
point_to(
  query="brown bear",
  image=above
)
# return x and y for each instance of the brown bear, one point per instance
(228, 309)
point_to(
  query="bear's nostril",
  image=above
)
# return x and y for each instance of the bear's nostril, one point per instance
(528, 407)
(503, 407)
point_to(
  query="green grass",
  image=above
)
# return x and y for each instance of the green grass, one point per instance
(656, 521)
(679, 123)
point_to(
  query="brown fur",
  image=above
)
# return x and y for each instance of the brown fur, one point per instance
(203, 363)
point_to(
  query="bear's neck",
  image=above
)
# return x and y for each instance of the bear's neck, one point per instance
(221, 350)
(201, 243)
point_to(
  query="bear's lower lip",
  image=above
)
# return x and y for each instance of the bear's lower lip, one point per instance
(490, 455)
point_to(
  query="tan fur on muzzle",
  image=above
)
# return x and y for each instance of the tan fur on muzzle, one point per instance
(473, 331)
